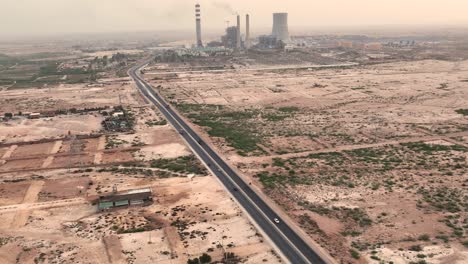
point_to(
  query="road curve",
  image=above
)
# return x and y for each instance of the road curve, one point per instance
(291, 245)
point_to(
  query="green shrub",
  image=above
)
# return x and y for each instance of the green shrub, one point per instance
(354, 254)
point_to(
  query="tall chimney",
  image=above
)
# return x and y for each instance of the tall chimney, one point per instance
(238, 43)
(198, 22)
(247, 31)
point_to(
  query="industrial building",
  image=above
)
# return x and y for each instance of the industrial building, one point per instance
(267, 42)
(230, 39)
(233, 37)
(280, 27)
(125, 198)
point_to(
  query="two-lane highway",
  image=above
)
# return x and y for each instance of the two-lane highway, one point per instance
(291, 245)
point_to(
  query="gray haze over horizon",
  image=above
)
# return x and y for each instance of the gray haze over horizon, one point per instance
(45, 17)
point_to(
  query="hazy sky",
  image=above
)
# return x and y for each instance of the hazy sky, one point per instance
(24, 17)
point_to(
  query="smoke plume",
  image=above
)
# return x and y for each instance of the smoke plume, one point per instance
(224, 6)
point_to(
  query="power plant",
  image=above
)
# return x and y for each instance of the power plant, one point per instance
(234, 40)
(198, 25)
(280, 27)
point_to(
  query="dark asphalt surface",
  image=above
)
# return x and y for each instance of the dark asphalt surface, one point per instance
(289, 242)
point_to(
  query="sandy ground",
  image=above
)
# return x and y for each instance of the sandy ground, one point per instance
(22, 130)
(344, 111)
(48, 180)
(105, 93)
(61, 220)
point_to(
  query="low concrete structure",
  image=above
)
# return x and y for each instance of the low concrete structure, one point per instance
(125, 198)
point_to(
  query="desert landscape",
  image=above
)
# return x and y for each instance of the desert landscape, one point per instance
(369, 160)
(229, 132)
(65, 144)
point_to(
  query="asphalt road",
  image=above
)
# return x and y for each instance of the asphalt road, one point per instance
(292, 246)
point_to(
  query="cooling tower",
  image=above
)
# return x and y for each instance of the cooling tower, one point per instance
(198, 21)
(280, 26)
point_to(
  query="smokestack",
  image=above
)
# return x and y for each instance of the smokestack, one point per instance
(238, 43)
(247, 31)
(198, 22)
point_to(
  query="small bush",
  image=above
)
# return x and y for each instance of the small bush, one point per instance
(354, 254)
(416, 248)
(424, 237)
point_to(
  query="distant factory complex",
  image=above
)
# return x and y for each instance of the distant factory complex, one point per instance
(233, 38)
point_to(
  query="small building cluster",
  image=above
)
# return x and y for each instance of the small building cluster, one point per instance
(118, 120)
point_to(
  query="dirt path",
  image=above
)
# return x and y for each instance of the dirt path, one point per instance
(101, 143)
(47, 162)
(456, 142)
(113, 250)
(97, 254)
(9, 152)
(21, 217)
(43, 205)
(98, 158)
(174, 241)
(57, 145)
(100, 147)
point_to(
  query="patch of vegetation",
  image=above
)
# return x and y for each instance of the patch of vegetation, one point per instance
(309, 225)
(422, 261)
(7, 60)
(132, 230)
(463, 112)
(288, 109)
(274, 180)
(186, 164)
(458, 225)
(5, 240)
(429, 149)
(114, 142)
(352, 233)
(274, 117)
(203, 259)
(443, 86)
(135, 171)
(236, 127)
(361, 246)
(358, 88)
(279, 162)
(386, 157)
(424, 237)
(271, 180)
(354, 254)
(444, 238)
(416, 248)
(238, 136)
(356, 215)
(445, 199)
(330, 158)
(162, 122)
